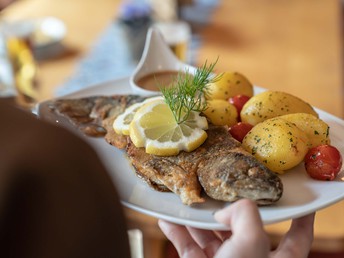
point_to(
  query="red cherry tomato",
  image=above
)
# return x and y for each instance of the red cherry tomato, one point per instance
(239, 130)
(239, 101)
(323, 162)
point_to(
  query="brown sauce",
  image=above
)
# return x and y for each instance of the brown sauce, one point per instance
(154, 81)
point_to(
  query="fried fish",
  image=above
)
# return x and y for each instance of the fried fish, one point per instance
(224, 170)
(221, 167)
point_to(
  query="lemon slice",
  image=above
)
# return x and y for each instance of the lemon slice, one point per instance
(122, 122)
(155, 128)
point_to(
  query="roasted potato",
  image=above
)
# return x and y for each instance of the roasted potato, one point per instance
(221, 112)
(271, 104)
(316, 130)
(229, 85)
(277, 143)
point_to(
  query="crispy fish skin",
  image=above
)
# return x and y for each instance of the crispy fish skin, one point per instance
(220, 165)
(234, 175)
(94, 115)
(163, 174)
(223, 168)
(228, 173)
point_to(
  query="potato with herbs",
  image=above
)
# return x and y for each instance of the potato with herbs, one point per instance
(230, 84)
(316, 129)
(221, 112)
(271, 104)
(277, 143)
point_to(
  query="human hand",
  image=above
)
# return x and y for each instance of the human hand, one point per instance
(247, 237)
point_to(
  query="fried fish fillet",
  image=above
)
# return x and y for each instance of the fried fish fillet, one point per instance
(225, 171)
(94, 116)
(220, 166)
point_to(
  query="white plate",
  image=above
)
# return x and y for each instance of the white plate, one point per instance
(302, 195)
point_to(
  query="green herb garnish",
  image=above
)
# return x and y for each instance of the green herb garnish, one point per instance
(188, 92)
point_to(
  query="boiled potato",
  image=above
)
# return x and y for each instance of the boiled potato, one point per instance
(221, 112)
(316, 130)
(271, 104)
(229, 85)
(277, 143)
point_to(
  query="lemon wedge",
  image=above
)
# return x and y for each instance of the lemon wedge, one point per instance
(122, 122)
(154, 127)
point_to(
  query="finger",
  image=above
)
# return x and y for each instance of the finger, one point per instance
(297, 242)
(245, 214)
(244, 220)
(206, 239)
(181, 239)
(203, 237)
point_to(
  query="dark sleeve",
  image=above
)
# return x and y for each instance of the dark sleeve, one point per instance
(56, 200)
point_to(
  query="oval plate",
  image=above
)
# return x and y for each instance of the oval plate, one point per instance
(302, 195)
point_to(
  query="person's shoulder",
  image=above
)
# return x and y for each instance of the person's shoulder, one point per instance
(22, 125)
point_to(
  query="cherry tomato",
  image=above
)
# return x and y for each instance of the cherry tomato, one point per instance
(239, 130)
(323, 162)
(238, 101)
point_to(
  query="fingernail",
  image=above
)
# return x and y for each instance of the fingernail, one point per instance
(161, 223)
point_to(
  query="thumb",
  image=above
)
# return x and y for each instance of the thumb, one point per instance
(248, 236)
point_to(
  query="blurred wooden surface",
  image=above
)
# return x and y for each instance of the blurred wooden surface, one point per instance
(85, 20)
(293, 46)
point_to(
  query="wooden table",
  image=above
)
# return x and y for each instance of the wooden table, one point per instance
(294, 46)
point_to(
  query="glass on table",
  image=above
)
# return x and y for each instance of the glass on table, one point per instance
(177, 35)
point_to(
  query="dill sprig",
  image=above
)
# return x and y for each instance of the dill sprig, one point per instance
(188, 92)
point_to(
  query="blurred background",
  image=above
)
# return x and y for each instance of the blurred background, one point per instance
(49, 48)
